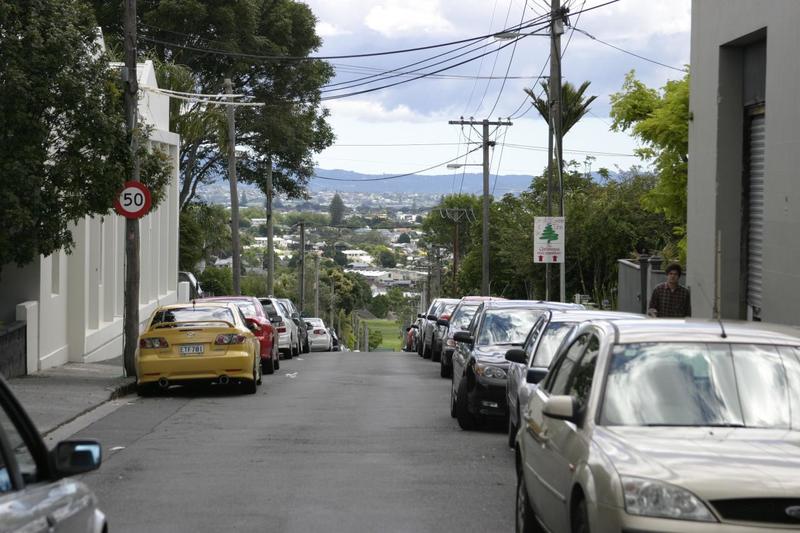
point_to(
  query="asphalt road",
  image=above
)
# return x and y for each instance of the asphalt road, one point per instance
(334, 442)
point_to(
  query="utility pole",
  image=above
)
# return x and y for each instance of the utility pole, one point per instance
(485, 123)
(366, 337)
(302, 264)
(556, 143)
(316, 285)
(270, 233)
(333, 324)
(237, 269)
(131, 299)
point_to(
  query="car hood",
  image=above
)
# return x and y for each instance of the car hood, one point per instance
(493, 353)
(714, 463)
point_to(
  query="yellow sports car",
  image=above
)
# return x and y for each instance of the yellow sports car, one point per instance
(204, 342)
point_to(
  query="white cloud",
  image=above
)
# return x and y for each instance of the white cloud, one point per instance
(370, 111)
(326, 29)
(396, 17)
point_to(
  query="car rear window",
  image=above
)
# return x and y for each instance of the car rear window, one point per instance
(192, 314)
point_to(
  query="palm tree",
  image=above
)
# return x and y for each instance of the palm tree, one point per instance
(573, 105)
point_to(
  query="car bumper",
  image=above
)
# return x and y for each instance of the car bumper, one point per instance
(616, 519)
(235, 365)
(489, 399)
(322, 343)
(285, 340)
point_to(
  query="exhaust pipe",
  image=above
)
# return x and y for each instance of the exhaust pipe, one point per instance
(163, 383)
(223, 380)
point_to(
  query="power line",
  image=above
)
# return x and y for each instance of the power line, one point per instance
(589, 35)
(229, 53)
(385, 178)
(508, 69)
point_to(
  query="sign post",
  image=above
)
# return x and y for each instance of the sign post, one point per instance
(133, 201)
(549, 235)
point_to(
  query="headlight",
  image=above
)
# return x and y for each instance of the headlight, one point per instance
(489, 371)
(647, 497)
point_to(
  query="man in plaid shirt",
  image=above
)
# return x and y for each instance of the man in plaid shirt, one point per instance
(670, 300)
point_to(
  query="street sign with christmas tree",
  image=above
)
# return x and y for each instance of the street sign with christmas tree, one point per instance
(548, 240)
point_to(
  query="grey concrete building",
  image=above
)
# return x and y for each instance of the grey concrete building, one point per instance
(744, 160)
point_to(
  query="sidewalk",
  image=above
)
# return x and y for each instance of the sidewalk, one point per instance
(57, 395)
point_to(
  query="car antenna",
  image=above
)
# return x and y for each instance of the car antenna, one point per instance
(715, 311)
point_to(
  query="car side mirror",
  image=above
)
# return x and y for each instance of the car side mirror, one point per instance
(517, 355)
(74, 457)
(414, 326)
(295, 315)
(431, 317)
(560, 408)
(253, 325)
(420, 315)
(535, 375)
(443, 322)
(462, 336)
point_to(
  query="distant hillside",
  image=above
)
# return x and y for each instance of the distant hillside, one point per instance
(438, 184)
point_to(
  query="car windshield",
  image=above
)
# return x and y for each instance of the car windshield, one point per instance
(248, 309)
(553, 335)
(462, 317)
(507, 326)
(703, 384)
(165, 317)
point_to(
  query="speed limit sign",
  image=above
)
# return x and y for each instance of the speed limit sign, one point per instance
(133, 201)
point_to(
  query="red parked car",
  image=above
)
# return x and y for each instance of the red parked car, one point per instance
(262, 328)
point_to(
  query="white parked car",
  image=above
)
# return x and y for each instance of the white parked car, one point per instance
(319, 339)
(35, 492)
(664, 425)
(288, 335)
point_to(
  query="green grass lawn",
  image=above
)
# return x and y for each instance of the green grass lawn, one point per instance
(391, 334)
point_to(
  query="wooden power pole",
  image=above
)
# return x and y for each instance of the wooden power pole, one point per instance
(130, 335)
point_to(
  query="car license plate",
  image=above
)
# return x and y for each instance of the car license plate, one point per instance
(191, 349)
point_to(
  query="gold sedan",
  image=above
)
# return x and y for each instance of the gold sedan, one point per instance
(208, 342)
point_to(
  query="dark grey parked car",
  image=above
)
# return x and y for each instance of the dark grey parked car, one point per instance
(529, 363)
(478, 387)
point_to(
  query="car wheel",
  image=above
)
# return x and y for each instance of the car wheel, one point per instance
(512, 432)
(426, 351)
(306, 348)
(419, 347)
(276, 361)
(580, 517)
(250, 386)
(260, 373)
(443, 369)
(267, 366)
(466, 420)
(526, 519)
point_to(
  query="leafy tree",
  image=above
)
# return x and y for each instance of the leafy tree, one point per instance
(217, 281)
(386, 259)
(375, 339)
(204, 233)
(64, 153)
(660, 119)
(404, 238)
(573, 104)
(336, 210)
(284, 133)
(379, 306)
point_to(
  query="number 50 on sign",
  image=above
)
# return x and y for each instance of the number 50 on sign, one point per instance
(133, 200)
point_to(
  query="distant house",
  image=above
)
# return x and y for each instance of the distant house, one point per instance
(359, 256)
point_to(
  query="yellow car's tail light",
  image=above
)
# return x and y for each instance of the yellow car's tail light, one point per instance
(153, 343)
(230, 338)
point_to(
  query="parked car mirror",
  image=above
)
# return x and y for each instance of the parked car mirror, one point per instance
(462, 336)
(535, 375)
(253, 325)
(420, 315)
(560, 407)
(443, 322)
(414, 326)
(517, 355)
(77, 456)
(295, 315)
(431, 317)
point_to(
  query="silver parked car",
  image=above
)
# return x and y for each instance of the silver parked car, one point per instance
(529, 364)
(35, 492)
(319, 339)
(664, 425)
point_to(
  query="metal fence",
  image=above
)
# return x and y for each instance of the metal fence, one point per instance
(13, 348)
(629, 287)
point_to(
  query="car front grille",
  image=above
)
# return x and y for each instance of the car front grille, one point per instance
(766, 510)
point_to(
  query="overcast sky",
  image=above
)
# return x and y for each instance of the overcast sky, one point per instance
(418, 112)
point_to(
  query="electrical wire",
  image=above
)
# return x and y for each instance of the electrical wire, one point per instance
(508, 69)
(494, 65)
(228, 53)
(385, 178)
(589, 35)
